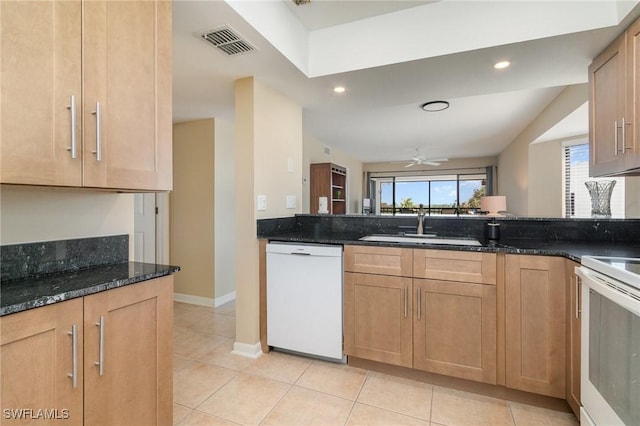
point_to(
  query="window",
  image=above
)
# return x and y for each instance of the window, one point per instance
(577, 201)
(439, 194)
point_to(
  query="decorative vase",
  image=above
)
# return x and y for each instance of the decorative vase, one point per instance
(600, 192)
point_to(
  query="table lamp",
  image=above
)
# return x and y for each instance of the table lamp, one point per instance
(493, 204)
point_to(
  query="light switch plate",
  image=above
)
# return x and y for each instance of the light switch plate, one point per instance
(261, 202)
(290, 165)
(291, 201)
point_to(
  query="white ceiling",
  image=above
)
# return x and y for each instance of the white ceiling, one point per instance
(392, 56)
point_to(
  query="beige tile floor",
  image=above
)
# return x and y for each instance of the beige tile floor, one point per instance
(212, 386)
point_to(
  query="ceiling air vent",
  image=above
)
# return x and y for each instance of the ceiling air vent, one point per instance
(225, 39)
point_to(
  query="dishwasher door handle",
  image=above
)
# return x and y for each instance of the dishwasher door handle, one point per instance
(300, 254)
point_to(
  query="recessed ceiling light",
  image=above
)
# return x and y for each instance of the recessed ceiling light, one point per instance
(435, 106)
(502, 65)
(339, 89)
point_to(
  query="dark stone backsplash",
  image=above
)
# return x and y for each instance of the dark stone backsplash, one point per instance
(19, 261)
(512, 228)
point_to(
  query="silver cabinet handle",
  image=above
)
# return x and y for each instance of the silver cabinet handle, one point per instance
(74, 145)
(74, 355)
(624, 138)
(615, 137)
(578, 310)
(405, 302)
(98, 151)
(100, 362)
(419, 303)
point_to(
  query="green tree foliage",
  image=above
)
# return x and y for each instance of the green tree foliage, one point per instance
(406, 203)
(474, 201)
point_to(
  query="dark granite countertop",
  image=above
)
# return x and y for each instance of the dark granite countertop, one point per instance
(573, 250)
(27, 293)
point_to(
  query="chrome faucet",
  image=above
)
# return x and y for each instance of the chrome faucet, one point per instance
(420, 230)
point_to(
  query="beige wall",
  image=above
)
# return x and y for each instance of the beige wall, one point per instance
(313, 152)
(191, 208)
(224, 210)
(268, 132)
(546, 170)
(32, 214)
(513, 162)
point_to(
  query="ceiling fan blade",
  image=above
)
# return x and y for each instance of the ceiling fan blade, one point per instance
(431, 163)
(410, 165)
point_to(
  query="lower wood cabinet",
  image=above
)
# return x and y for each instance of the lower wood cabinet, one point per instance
(378, 322)
(123, 348)
(36, 359)
(535, 324)
(574, 314)
(455, 329)
(397, 313)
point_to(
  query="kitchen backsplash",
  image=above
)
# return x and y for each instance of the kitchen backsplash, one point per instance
(547, 229)
(19, 261)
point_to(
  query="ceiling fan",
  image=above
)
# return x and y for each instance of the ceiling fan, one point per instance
(421, 159)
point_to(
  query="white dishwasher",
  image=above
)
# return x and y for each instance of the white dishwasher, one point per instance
(304, 299)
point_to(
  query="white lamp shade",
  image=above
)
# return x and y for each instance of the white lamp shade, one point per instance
(493, 204)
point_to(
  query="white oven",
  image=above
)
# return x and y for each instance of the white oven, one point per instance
(610, 367)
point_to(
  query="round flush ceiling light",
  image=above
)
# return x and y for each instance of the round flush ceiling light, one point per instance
(435, 106)
(339, 89)
(501, 65)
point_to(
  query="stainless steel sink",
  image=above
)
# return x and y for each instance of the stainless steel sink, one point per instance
(421, 239)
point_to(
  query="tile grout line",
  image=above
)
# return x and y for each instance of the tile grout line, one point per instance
(276, 404)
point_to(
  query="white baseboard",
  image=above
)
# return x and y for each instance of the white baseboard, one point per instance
(219, 301)
(247, 350)
(194, 300)
(204, 301)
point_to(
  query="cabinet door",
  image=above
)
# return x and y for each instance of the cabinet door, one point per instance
(606, 109)
(463, 266)
(133, 385)
(40, 46)
(377, 318)
(37, 359)
(573, 339)
(632, 133)
(535, 324)
(455, 329)
(127, 72)
(378, 260)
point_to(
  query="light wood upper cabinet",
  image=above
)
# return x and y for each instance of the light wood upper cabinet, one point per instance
(40, 46)
(607, 107)
(37, 357)
(127, 72)
(114, 58)
(378, 322)
(455, 329)
(574, 313)
(378, 260)
(535, 324)
(136, 380)
(614, 107)
(632, 135)
(464, 266)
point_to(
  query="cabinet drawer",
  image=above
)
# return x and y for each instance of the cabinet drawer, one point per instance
(470, 267)
(378, 260)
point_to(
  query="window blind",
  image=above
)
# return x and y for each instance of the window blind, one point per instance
(577, 201)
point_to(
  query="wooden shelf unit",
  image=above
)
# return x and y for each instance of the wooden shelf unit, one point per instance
(328, 180)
